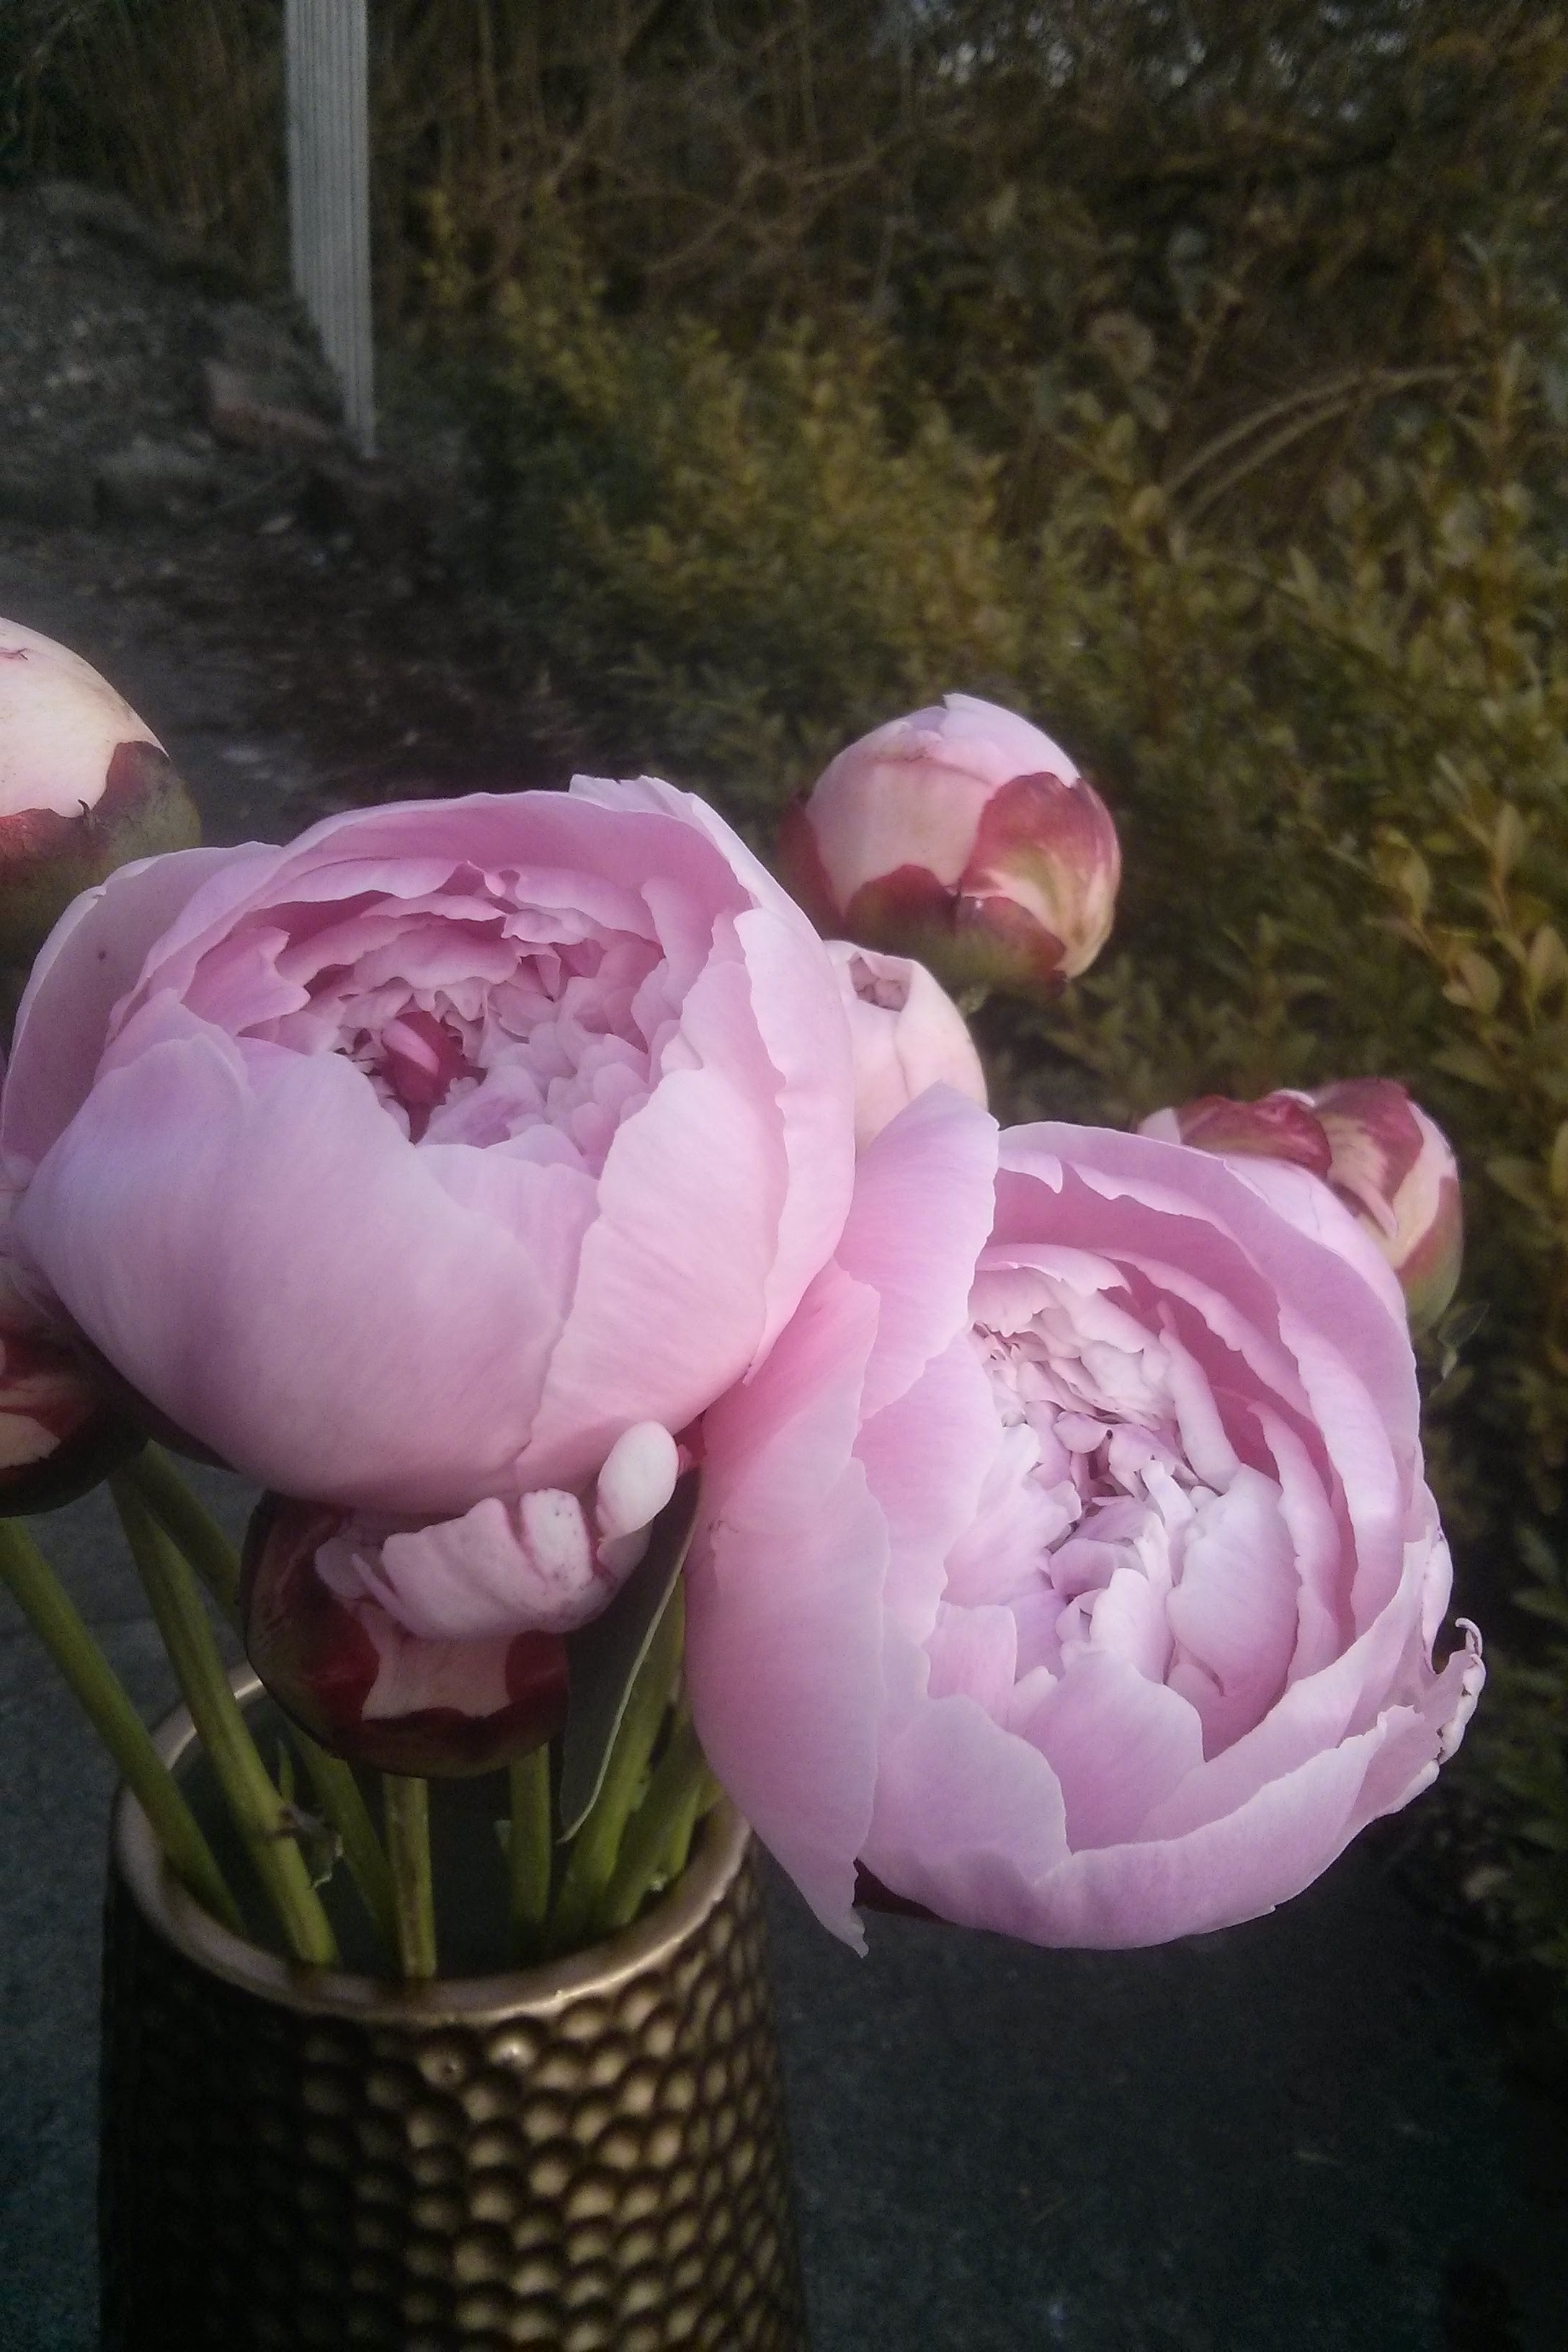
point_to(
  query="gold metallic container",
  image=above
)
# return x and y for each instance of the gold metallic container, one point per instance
(585, 2154)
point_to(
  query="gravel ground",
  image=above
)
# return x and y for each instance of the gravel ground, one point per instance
(1297, 2137)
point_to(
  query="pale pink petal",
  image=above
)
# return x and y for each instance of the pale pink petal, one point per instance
(1235, 1610)
(906, 1034)
(926, 1455)
(894, 801)
(795, 1008)
(1117, 1744)
(968, 1819)
(637, 1480)
(920, 1212)
(497, 1571)
(783, 1586)
(91, 958)
(975, 1652)
(673, 1274)
(1120, 1898)
(262, 1266)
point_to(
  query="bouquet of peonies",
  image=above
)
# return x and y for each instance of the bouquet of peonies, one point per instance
(662, 1372)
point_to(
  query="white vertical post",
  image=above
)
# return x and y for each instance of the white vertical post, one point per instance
(327, 83)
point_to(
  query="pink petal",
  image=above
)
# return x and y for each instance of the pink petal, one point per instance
(91, 958)
(920, 1216)
(269, 1259)
(1121, 1897)
(796, 1007)
(1117, 1743)
(783, 1631)
(1235, 1609)
(975, 1651)
(926, 1456)
(495, 1570)
(968, 1819)
(673, 1274)
(895, 798)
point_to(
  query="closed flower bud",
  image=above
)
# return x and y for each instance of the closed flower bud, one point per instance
(437, 1648)
(907, 1033)
(963, 836)
(58, 1436)
(85, 786)
(348, 1673)
(1379, 1152)
(60, 1433)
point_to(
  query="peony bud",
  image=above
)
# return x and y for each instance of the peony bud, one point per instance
(1390, 1165)
(58, 1436)
(59, 1433)
(84, 787)
(367, 1689)
(907, 1033)
(966, 837)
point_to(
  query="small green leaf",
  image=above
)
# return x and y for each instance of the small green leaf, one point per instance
(603, 1657)
(1466, 1062)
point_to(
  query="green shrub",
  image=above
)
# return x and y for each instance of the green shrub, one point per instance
(731, 563)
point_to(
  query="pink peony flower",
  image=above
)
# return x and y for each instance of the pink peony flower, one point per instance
(84, 786)
(966, 837)
(413, 1167)
(906, 1033)
(347, 1671)
(1069, 1564)
(1390, 1164)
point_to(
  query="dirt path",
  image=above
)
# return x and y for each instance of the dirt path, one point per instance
(287, 620)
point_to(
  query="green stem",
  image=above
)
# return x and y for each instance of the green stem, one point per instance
(54, 1618)
(528, 1849)
(190, 1525)
(661, 1826)
(699, 1802)
(338, 1794)
(192, 1528)
(596, 1847)
(405, 1808)
(260, 1813)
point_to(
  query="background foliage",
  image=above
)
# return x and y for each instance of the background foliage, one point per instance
(1194, 378)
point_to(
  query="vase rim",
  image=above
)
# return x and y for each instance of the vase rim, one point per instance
(536, 1992)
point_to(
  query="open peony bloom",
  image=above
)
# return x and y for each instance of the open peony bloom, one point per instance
(359, 1682)
(1069, 1564)
(906, 1034)
(437, 1167)
(964, 837)
(1390, 1164)
(84, 786)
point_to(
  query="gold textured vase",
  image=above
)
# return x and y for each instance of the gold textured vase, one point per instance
(585, 2154)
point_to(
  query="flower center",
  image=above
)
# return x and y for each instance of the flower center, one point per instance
(479, 1011)
(1119, 1516)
